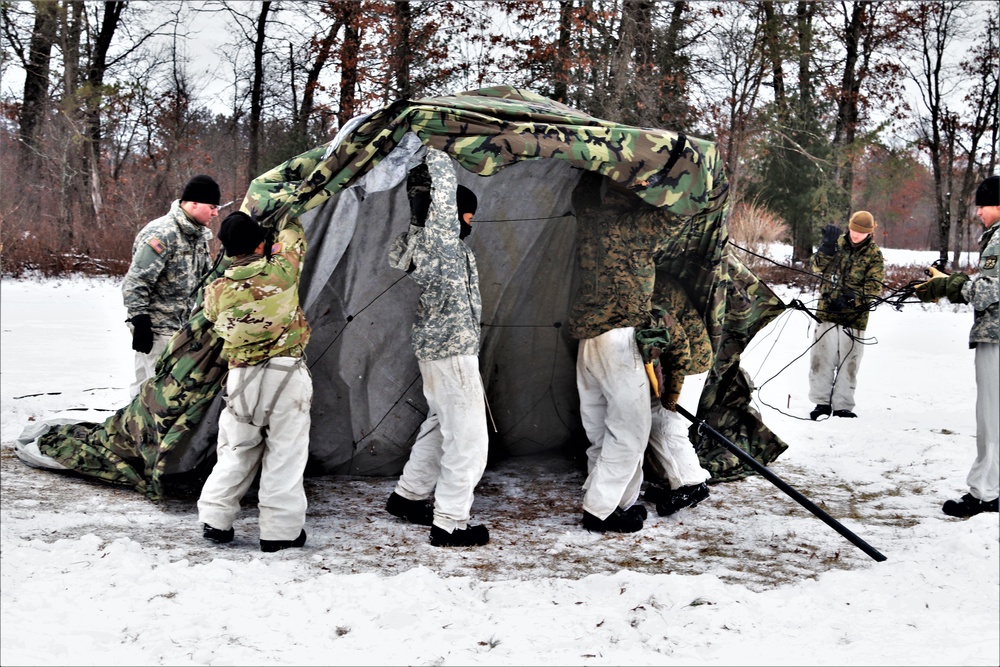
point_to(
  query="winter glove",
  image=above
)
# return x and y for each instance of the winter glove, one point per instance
(942, 285)
(418, 191)
(142, 333)
(828, 246)
(933, 272)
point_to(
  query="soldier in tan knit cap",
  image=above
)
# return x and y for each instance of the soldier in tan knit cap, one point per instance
(852, 271)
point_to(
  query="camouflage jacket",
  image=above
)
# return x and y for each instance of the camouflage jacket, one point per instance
(170, 257)
(983, 290)
(617, 236)
(255, 305)
(690, 351)
(450, 307)
(852, 278)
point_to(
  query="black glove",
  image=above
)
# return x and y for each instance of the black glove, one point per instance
(142, 333)
(418, 191)
(830, 235)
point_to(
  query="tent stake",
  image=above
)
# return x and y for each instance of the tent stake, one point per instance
(781, 484)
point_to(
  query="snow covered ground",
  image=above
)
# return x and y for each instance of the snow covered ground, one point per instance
(97, 575)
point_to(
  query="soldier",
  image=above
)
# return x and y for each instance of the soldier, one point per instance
(618, 235)
(852, 268)
(449, 455)
(685, 350)
(170, 257)
(982, 291)
(265, 423)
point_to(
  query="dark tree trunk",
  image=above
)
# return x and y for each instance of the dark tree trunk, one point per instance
(36, 82)
(257, 93)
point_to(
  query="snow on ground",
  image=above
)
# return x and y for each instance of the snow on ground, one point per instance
(95, 574)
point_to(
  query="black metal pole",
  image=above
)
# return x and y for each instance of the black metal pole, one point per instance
(781, 484)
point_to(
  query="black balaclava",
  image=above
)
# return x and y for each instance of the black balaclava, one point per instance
(467, 202)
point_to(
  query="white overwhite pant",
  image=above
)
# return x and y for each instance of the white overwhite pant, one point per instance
(273, 398)
(449, 455)
(145, 363)
(833, 365)
(673, 453)
(984, 477)
(614, 400)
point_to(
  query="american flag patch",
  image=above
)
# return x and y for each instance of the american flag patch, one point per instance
(156, 245)
(276, 248)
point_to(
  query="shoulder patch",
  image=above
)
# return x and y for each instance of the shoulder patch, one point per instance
(156, 244)
(276, 248)
(989, 262)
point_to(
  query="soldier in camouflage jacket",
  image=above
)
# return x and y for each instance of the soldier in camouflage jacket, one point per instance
(685, 350)
(982, 292)
(449, 455)
(618, 236)
(265, 422)
(852, 269)
(170, 257)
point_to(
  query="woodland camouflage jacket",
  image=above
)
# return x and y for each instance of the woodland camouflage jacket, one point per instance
(170, 257)
(450, 306)
(852, 279)
(255, 305)
(618, 235)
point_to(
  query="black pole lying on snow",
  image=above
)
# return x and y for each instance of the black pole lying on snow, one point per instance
(781, 484)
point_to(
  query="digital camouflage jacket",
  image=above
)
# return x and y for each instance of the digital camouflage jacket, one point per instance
(450, 306)
(618, 235)
(170, 257)
(255, 305)
(983, 290)
(852, 278)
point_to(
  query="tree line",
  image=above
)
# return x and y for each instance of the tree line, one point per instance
(819, 108)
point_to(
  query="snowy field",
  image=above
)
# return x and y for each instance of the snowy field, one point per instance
(97, 575)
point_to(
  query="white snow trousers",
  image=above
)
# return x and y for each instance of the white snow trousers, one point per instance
(614, 400)
(984, 477)
(264, 426)
(833, 365)
(449, 455)
(672, 450)
(145, 364)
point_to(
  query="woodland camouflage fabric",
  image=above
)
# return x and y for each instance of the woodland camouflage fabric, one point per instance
(484, 131)
(852, 278)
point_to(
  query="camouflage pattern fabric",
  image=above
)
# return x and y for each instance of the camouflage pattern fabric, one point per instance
(852, 278)
(255, 305)
(688, 350)
(725, 401)
(484, 131)
(170, 256)
(983, 290)
(131, 446)
(617, 238)
(450, 306)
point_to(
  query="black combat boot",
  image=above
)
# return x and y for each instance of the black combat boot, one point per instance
(270, 546)
(420, 512)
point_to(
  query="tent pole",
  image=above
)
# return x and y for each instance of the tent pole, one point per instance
(781, 484)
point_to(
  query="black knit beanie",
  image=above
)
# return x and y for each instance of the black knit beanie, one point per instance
(988, 192)
(202, 189)
(240, 234)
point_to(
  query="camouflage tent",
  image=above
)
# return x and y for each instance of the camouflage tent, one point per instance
(522, 154)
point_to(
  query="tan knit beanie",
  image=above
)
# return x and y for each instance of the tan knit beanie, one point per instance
(862, 222)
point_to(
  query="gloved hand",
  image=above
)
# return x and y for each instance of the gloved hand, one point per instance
(418, 191)
(934, 273)
(142, 333)
(828, 245)
(942, 285)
